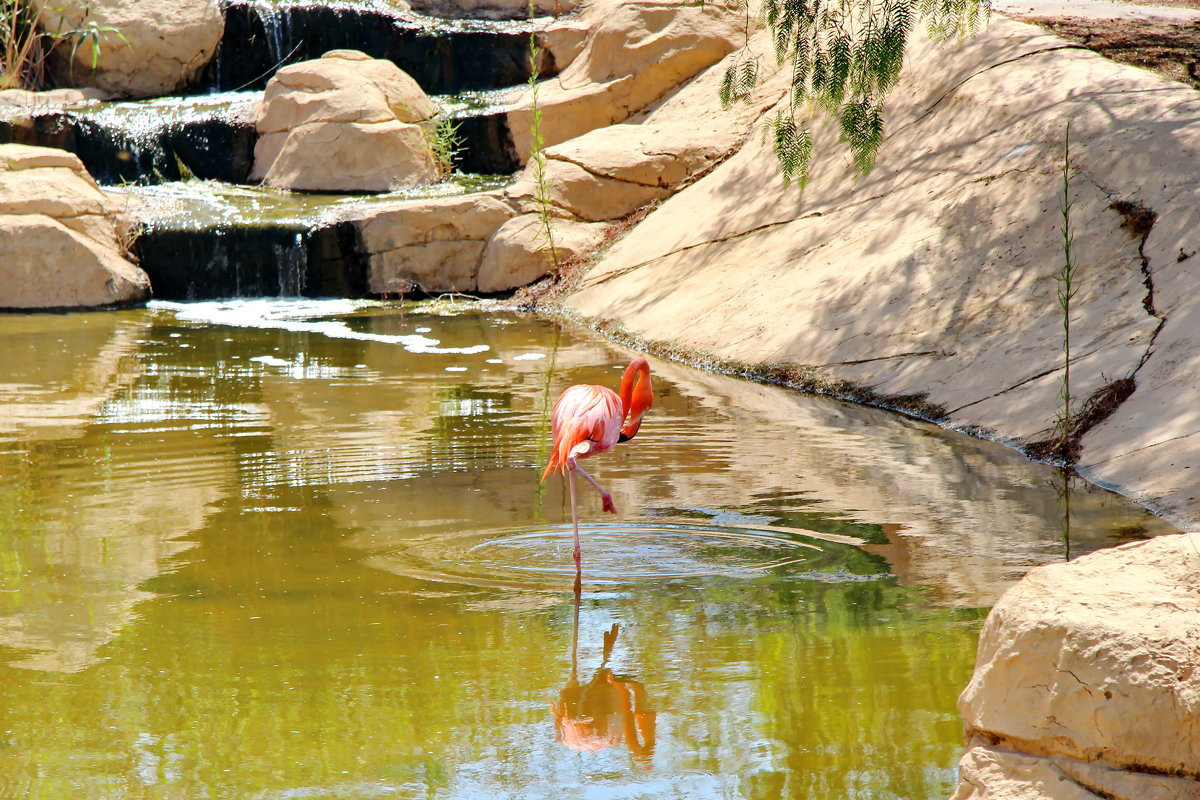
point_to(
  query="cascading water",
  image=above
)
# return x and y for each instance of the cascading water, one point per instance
(204, 240)
(443, 56)
(177, 156)
(292, 260)
(150, 141)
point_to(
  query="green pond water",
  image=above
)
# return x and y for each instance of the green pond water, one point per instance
(298, 549)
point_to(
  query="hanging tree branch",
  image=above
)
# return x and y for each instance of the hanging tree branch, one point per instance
(845, 57)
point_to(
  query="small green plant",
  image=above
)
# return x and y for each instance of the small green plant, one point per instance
(445, 143)
(1067, 289)
(537, 157)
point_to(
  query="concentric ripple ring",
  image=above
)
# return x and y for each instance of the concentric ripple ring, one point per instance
(616, 553)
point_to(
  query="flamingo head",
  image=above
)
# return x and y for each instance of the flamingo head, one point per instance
(637, 396)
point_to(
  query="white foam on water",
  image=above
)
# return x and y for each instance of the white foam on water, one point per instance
(303, 316)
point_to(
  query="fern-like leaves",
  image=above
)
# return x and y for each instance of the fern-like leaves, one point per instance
(845, 57)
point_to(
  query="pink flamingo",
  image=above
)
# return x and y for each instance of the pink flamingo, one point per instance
(591, 419)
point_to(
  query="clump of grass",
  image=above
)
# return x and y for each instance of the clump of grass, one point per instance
(22, 46)
(1067, 289)
(445, 143)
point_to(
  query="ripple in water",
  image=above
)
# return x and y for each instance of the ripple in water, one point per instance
(621, 553)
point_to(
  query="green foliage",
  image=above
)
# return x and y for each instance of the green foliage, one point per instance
(445, 143)
(845, 57)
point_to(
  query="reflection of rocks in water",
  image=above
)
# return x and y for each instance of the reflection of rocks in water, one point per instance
(964, 517)
(110, 510)
(56, 398)
(608, 710)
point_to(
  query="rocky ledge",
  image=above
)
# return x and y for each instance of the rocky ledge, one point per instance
(59, 236)
(1088, 681)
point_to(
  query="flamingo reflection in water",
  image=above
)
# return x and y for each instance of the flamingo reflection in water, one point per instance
(605, 711)
(590, 419)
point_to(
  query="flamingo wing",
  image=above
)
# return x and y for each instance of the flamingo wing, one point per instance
(586, 420)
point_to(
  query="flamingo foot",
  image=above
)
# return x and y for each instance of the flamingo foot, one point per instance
(606, 499)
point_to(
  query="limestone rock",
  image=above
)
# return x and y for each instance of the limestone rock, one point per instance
(436, 244)
(633, 55)
(517, 256)
(611, 172)
(1094, 662)
(58, 243)
(45, 264)
(162, 44)
(54, 98)
(992, 773)
(39, 180)
(564, 40)
(344, 122)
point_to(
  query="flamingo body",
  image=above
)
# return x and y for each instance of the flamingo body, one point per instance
(586, 420)
(590, 419)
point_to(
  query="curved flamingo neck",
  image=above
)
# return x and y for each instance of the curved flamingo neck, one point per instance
(636, 395)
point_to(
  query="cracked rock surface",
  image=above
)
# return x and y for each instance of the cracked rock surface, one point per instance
(934, 276)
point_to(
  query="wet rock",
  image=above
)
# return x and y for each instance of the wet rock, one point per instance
(54, 98)
(1088, 670)
(435, 244)
(518, 254)
(491, 9)
(344, 122)
(59, 246)
(634, 54)
(253, 261)
(994, 773)
(157, 47)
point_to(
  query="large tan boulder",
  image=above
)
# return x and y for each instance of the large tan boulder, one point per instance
(1092, 662)
(45, 264)
(344, 122)
(634, 54)
(157, 47)
(435, 244)
(609, 173)
(59, 246)
(518, 253)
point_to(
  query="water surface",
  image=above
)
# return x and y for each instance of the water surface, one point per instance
(298, 549)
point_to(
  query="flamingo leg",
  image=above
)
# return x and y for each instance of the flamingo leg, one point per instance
(605, 497)
(575, 525)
